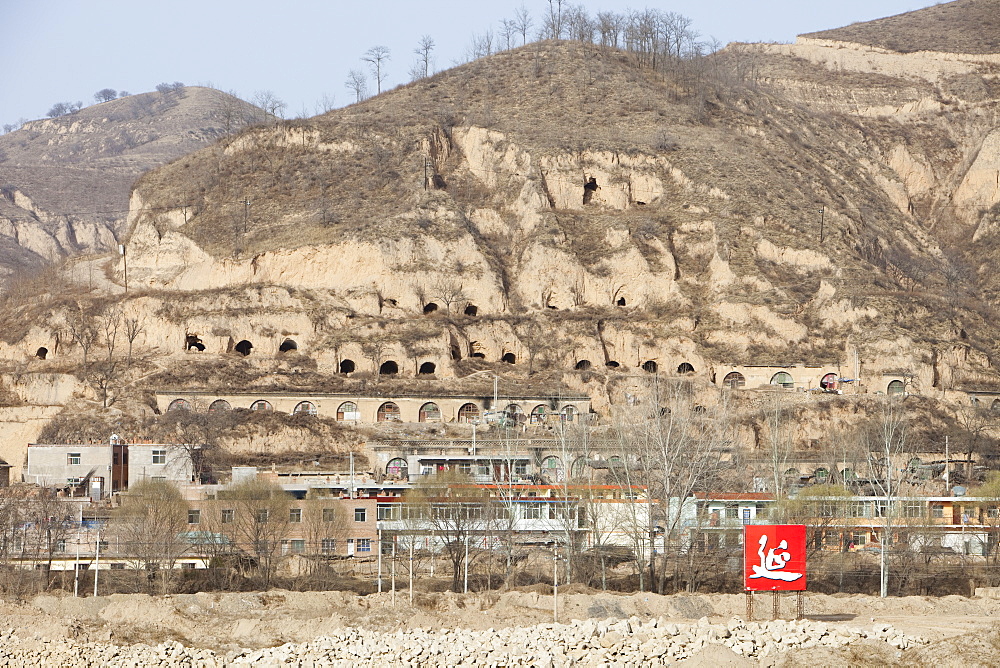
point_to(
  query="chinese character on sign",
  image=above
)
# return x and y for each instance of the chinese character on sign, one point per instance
(774, 557)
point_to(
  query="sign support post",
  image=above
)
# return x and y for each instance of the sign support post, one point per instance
(774, 560)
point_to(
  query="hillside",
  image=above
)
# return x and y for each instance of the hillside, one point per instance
(65, 181)
(962, 26)
(568, 218)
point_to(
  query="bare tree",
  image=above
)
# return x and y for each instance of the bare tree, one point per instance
(376, 57)
(230, 110)
(267, 101)
(775, 418)
(149, 526)
(885, 440)
(508, 29)
(259, 522)
(451, 507)
(481, 45)
(553, 25)
(325, 526)
(106, 372)
(423, 51)
(449, 291)
(83, 330)
(358, 83)
(105, 95)
(326, 104)
(133, 327)
(675, 450)
(523, 23)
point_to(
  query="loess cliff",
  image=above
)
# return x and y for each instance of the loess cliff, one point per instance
(563, 216)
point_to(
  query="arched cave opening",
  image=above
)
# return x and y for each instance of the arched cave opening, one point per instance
(509, 358)
(589, 188)
(287, 345)
(471, 310)
(620, 302)
(191, 341)
(583, 365)
(685, 368)
(41, 352)
(611, 364)
(347, 366)
(389, 368)
(649, 366)
(430, 308)
(427, 368)
(243, 347)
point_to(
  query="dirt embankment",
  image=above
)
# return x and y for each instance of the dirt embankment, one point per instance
(959, 630)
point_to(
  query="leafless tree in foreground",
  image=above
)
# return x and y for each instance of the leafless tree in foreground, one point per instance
(674, 448)
(149, 524)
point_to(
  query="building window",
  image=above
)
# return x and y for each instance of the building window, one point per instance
(329, 514)
(159, 456)
(228, 515)
(73, 458)
(328, 546)
(295, 515)
(389, 511)
(61, 545)
(532, 511)
(187, 566)
(360, 514)
(857, 509)
(911, 509)
(521, 468)
(194, 517)
(261, 516)
(364, 544)
(937, 510)
(297, 546)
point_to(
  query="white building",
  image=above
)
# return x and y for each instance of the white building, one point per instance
(100, 469)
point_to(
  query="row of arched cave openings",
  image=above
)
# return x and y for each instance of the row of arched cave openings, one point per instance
(736, 380)
(388, 411)
(391, 367)
(823, 474)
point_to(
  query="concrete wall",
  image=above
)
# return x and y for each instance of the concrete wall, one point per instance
(48, 465)
(177, 466)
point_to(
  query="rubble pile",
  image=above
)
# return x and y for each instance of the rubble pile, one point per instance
(580, 643)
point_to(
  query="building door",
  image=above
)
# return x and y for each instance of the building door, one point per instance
(350, 547)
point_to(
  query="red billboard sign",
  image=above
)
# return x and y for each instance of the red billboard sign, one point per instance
(774, 557)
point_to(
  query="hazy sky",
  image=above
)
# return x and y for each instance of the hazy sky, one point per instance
(66, 50)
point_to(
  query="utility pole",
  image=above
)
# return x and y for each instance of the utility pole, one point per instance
(947, 466)
(246, 213)
(555, 583)
(97, 561)
(822, 221)
(466, 563)
(121, 249)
